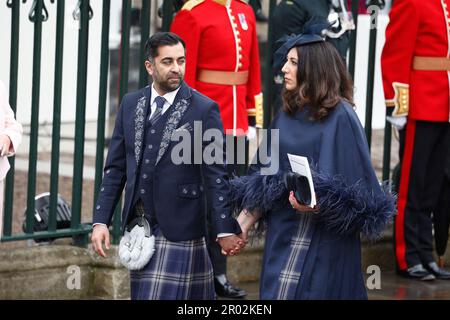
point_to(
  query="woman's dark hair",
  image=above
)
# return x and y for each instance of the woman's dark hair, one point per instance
(322, 81)
(160, 39)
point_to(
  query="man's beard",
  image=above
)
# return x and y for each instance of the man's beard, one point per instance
(168, 85)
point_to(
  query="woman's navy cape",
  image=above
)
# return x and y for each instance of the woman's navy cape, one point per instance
(350, 201)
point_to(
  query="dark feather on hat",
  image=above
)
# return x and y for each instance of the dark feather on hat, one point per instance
(313, 32)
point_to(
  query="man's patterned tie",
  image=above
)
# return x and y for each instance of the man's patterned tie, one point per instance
(158, 112)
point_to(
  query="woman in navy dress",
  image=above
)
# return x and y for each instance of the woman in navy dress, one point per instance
(315, 253)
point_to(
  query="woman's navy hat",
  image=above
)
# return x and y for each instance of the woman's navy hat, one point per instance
(313, 32)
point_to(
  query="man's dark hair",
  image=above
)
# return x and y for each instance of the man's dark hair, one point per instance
(160, 39)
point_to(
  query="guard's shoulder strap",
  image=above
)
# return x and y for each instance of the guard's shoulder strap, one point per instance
(191, 4)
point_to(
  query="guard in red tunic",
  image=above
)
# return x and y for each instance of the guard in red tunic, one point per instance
(222, 58)
(222, 62)
(415, 65)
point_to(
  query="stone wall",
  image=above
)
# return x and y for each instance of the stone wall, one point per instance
(61, 272)
(51, 271)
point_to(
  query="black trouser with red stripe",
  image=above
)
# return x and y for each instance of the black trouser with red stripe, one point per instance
(425, 148)
(441, 216)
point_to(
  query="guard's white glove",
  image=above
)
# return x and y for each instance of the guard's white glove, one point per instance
(397, 122)
(251, 133)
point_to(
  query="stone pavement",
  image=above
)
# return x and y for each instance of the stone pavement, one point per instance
(393, 287)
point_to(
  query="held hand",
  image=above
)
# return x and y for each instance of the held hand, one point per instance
(299, 207)
(231, 245)
(100, 235)
(5, 144)
(246, 221)
(244, 235)
(245, 225)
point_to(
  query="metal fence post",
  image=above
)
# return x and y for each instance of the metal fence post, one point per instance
(77, 189)
(167, 15)
(104, 64)
(56, 115)
(387, 151)
(123, 88)
(13, 75)
(145, 31)
(37, 15)
(268, 90)
(354, 33)
(371, 79)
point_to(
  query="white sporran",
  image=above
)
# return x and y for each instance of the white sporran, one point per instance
(137, 244)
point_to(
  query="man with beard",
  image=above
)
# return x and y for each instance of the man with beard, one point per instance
(223, 63)
(171, 196)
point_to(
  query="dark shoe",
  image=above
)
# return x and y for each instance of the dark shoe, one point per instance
(225, 289)
(438, 272)
(260, 16)
(417, 272)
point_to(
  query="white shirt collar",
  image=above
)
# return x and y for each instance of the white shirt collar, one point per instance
(169, 96)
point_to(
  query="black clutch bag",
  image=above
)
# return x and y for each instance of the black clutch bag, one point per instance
(300, 186)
